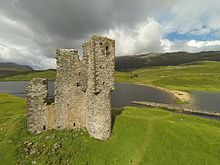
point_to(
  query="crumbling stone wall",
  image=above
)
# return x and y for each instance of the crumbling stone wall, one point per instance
(82, 91)
(69, 97)
(40, 115)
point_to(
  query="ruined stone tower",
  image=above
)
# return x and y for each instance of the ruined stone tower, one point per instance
(82, 91)
(100, 65)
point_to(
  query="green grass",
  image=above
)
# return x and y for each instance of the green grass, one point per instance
(12, 127)
(139, 136)
(180, 102)
(198, 76)
(49, 74)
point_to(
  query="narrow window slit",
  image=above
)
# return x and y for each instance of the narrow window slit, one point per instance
(107, 50)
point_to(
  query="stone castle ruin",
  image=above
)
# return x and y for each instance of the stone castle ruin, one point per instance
(82, 91)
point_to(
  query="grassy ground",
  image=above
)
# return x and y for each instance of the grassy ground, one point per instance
(199, 76)
(139, 136)
(12, 127)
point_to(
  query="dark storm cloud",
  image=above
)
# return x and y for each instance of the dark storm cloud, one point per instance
(68, 18)
(75, 19)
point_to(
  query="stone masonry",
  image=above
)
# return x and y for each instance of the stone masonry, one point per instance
(69, 96)
(82, 91)
(99, 59)
(40, 114)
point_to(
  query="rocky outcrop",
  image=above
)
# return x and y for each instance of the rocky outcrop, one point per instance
(189, 110)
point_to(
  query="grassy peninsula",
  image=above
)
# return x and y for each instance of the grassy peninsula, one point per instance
(197, 76)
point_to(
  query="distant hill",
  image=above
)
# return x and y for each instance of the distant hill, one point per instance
(10, 69)
(14, 66)
(131, 62)
(163, 59)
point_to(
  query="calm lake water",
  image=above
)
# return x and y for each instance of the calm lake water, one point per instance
(207, 101)
(125, 93)
(121, 96)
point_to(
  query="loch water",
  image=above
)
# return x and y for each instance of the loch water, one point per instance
(121, 96)
(125, 93)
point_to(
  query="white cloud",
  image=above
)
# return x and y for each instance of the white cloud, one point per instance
(167, 45)
(149, 37)
(144, 37)
(192, 17)
(200, 44)
(195, 46)
(26, 57)
(18, 43)
(124, 40)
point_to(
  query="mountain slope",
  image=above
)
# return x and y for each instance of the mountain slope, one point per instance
(10, 69)
(14, 66)
(163, 59)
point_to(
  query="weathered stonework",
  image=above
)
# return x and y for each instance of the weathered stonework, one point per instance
(99, 53)
(40, 115)
(82, 91)
(69, 97)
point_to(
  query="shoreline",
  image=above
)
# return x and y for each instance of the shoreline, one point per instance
(183, 96)
(179, 109)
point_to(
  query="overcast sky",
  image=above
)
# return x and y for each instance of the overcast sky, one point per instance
(31, 30)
